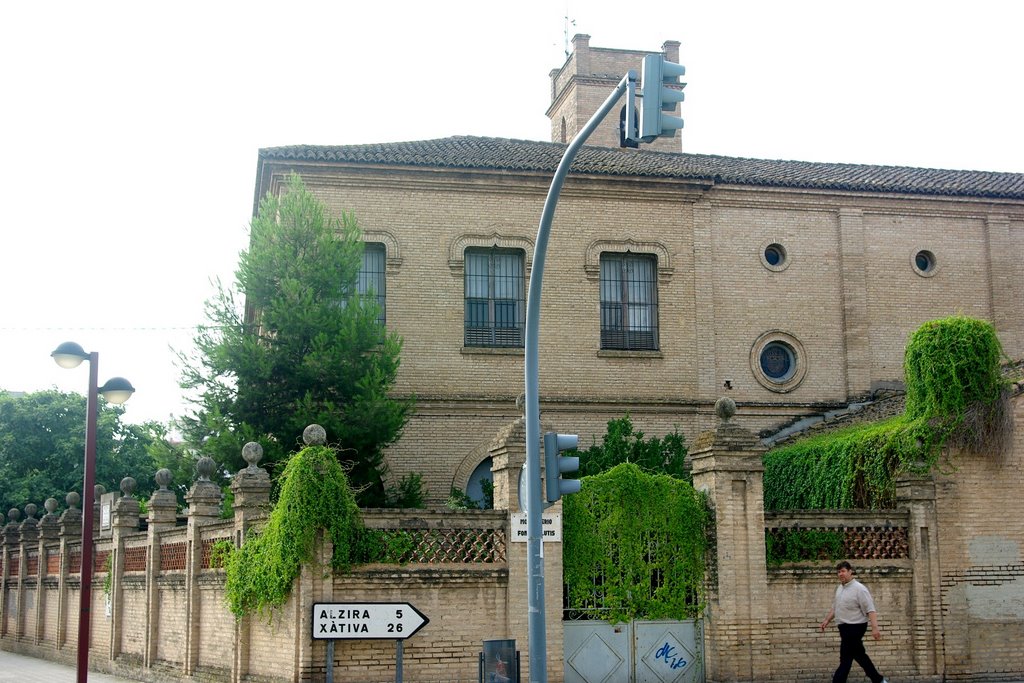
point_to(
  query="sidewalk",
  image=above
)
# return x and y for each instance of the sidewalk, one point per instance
(21, 669)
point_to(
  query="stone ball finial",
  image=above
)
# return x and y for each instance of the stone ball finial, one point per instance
(163, 478)
(128, 485)
(14, 514)
(50, 505)
(314, 435)
(252, 453)
(73, 499)
(725, 408)
(30, 510)
(206, 467)
(97, 492)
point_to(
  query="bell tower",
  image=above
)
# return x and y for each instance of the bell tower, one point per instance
(584, 82)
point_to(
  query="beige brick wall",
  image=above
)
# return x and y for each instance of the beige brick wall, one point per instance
(981, 559)
(848, 294)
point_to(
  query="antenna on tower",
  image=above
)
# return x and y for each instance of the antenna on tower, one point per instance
(568, 21)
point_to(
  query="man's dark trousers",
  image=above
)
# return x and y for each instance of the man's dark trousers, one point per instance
(851, 649)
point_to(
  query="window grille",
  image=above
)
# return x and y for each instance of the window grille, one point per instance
(371, 276)
(495, 297)
(629, 302)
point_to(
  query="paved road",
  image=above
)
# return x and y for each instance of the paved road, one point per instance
(21, 669)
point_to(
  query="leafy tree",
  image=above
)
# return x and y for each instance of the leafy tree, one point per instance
(42, 442)
(306, 347)
(622, 443)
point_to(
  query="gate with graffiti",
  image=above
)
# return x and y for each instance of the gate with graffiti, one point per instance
(634, 652)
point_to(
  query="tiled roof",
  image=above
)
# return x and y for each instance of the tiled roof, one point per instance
(465, 152)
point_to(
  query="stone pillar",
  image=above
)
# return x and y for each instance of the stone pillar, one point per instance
(10, 543)
(124, 521)
(28, 534)
(203, 500)
(916, 493)
(508, 453)
(727, 466)
(49, 534)
(163, 516)
(251, 489)
(70, 531)
(315, 584)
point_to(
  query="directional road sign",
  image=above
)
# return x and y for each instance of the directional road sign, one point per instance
(369, 620)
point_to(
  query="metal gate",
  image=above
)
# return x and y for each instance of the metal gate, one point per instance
(636, 652)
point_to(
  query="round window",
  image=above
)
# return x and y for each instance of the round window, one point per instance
(774, 254)
(924, 260)
(778, 362)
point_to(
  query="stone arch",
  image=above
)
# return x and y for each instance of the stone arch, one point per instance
(592, 258)
(500, 237)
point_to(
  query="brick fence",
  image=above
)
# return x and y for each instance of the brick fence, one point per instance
(945, 569)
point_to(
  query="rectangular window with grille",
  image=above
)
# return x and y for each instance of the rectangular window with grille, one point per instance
(495, 297)
(629, 302)
(371, 276)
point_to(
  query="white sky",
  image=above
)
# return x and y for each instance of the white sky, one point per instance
(130, 129)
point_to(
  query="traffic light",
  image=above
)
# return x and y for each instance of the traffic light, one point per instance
(658, 98)
(556, 464)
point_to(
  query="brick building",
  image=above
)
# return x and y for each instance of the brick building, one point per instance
(672, 279)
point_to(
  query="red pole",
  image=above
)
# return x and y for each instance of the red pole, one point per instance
(88, 497)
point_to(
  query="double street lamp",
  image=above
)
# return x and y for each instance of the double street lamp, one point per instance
(117, 390)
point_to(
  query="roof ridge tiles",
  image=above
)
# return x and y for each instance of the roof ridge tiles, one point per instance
(490, 153)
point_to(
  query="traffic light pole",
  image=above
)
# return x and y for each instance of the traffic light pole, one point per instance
(534, 509)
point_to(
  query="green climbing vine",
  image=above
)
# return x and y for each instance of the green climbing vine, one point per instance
(954, 397)
(634, 546)
(314, 495)
(794, 545)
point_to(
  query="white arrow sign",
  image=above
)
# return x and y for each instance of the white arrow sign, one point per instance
(354, 620)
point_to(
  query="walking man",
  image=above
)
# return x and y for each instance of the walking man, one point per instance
(852, 609)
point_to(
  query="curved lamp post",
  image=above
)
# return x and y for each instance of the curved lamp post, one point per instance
(117, 390)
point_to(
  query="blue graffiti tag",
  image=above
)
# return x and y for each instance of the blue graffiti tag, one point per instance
(667, 653)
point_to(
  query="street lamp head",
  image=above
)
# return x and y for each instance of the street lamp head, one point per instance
(117, 390)
(69, 355)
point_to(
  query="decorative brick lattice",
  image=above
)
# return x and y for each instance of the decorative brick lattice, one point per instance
(32, 563)
(876, 543)
(75, 562)
(172, 557)
(100, 565)
(455, 545)
(15, 563)
(859, 542)
(135, 559)
(53, 562)
(208, 544)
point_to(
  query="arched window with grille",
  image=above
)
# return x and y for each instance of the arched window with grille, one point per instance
(495, 297)
(629, 301)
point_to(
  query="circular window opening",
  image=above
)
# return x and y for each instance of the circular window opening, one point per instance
(924, 261)
(774, 254)
(778, 362)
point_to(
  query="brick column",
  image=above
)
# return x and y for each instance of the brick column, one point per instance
(124, 520)
(10, 543)
(28, 533)
(203, 507)
(508, 453)
(251, 488)
(917, 494)
(163, 516)
(727, 466)
(70, 530)
(49, 534)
